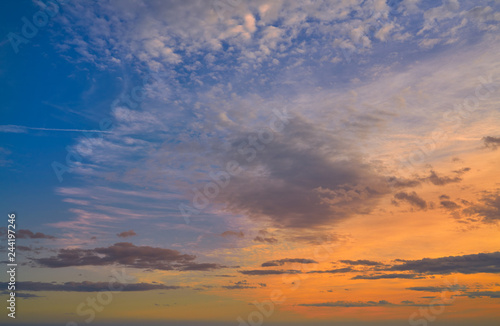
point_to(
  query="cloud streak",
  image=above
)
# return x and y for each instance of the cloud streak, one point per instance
(466, 264)
(24, 129)
(126, 254)
(87, 286)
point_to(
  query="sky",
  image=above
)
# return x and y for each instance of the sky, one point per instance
(230, 162)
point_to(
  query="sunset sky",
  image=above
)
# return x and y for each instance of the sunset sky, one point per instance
(230, 162)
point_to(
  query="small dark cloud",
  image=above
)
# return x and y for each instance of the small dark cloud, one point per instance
(412, 198)
(433, 178)
(191, 266)
(239, 285)
(126, 234)
(466, 264)
(491, 142)
(437, 180)
(22, 295)
(28, 295)
(454, 287)
(362, 262)
(407, 302)
(387, 276)
(448, 204)
(88, 286)
(281, 262)
(269, 272)
(444, 197)
(129, 255)
(266, 240)
(334, 271)
(239, 234)
(314, 237)
(347, 304)
(478, 294)
(488, 208)
(462, 170)
(403, 183)
(27, 234)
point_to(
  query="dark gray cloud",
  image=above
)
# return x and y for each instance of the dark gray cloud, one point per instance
(412, 198)
(127, 254)
(466, 264)
(126, 234)
(462, 170)
(303, 178)
(281, 262)
(437, 180)
(454, 287)
(362, 262)
(239, 285)
(265, 240)
(334, 271)
(448, 204)
(478, 294)
(269, 272)
(381, 303)
(386, 276)
(20, 294)
(192, 266)
(88, 286)
(433, 178)
(488, 207)
(265, 236)
(491, 142)
(403, 182)
(238, 234)
(27, 234)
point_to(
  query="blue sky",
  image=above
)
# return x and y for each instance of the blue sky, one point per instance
(122, 123)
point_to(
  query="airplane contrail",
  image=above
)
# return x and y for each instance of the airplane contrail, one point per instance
(23, 129)
(77, 130)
